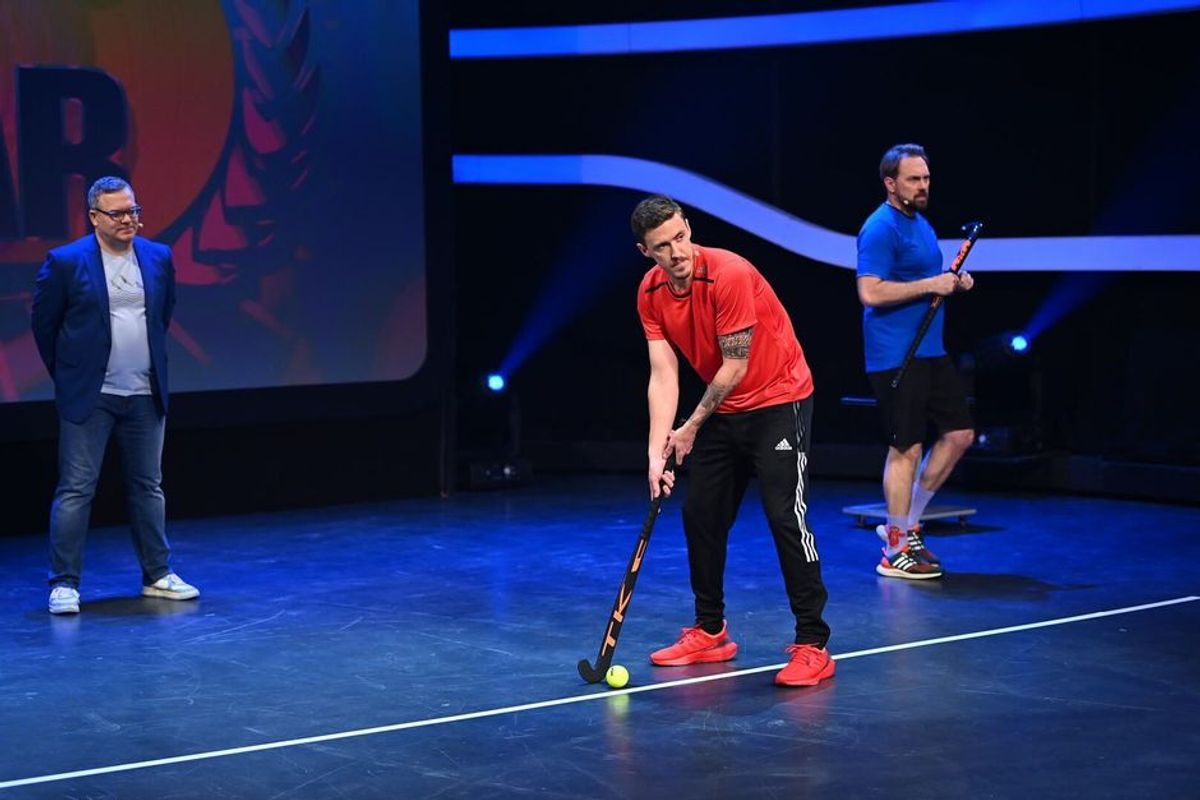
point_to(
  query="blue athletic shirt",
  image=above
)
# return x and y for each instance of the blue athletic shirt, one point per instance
(896, 247)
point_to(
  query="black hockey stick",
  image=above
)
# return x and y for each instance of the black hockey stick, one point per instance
(608, 645)
(972, 230)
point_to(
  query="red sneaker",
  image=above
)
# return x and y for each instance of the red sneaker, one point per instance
(696, 647)
(809, 666)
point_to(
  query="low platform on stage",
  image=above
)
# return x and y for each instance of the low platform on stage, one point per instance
(878, 511)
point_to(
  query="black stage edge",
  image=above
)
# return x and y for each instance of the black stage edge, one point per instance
(252, 468)
(1050, 472)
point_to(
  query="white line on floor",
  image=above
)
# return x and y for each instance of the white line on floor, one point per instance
(424, 723)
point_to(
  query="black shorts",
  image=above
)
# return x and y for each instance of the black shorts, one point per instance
(930, 391)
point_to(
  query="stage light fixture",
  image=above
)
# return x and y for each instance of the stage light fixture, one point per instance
(495, 382)
(1006, 381)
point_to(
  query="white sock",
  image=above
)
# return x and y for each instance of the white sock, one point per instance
(920, 499)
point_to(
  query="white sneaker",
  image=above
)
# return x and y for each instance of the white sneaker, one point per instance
(64, 600)
(172, 587)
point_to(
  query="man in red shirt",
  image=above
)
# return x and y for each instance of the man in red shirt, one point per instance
(718, 311)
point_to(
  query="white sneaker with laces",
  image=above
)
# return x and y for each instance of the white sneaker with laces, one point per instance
(172, 587)
(64, 600)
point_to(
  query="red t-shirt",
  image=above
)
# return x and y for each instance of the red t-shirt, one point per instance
(728, 295)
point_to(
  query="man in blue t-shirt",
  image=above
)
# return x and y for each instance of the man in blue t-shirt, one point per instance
(899, 270)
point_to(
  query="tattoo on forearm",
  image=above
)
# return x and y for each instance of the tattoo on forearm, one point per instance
(733, 345)
(714, 395)
(736, 344)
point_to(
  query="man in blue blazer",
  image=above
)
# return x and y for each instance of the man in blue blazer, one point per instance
(101, 309)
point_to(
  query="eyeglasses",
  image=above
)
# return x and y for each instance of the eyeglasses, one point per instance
(116, 216)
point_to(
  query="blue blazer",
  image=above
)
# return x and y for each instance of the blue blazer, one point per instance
(72, 327)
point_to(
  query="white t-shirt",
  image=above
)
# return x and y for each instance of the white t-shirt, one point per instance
(128, 370)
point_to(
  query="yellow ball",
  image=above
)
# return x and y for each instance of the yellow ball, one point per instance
(617, 676)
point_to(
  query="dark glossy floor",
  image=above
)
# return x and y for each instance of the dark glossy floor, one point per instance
(414, 650)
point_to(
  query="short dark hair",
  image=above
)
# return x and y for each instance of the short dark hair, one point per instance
(889, 165)
(106, 185)
(652, 212)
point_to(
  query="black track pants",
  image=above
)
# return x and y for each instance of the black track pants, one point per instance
(773, 444)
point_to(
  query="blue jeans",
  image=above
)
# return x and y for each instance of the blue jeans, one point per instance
(138, 429)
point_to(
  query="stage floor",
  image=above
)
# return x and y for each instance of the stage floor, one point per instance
(427, 648)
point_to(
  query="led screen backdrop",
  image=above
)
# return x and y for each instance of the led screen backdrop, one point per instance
(275, 146)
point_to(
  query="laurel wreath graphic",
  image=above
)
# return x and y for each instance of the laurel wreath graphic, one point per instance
(235, 222)
(235, 231)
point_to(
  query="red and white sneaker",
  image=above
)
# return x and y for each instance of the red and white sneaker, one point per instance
(903, 565)
(809, 665)
(696, 647)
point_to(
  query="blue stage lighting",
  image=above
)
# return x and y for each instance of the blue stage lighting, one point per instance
(496, 382)
(1091, 254)
(1018, 343)
(794, 29)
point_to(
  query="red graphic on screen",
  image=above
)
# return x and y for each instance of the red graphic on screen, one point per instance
(208, 109)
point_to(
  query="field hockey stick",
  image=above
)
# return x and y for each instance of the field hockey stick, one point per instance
(972, 230)
(608, 645)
